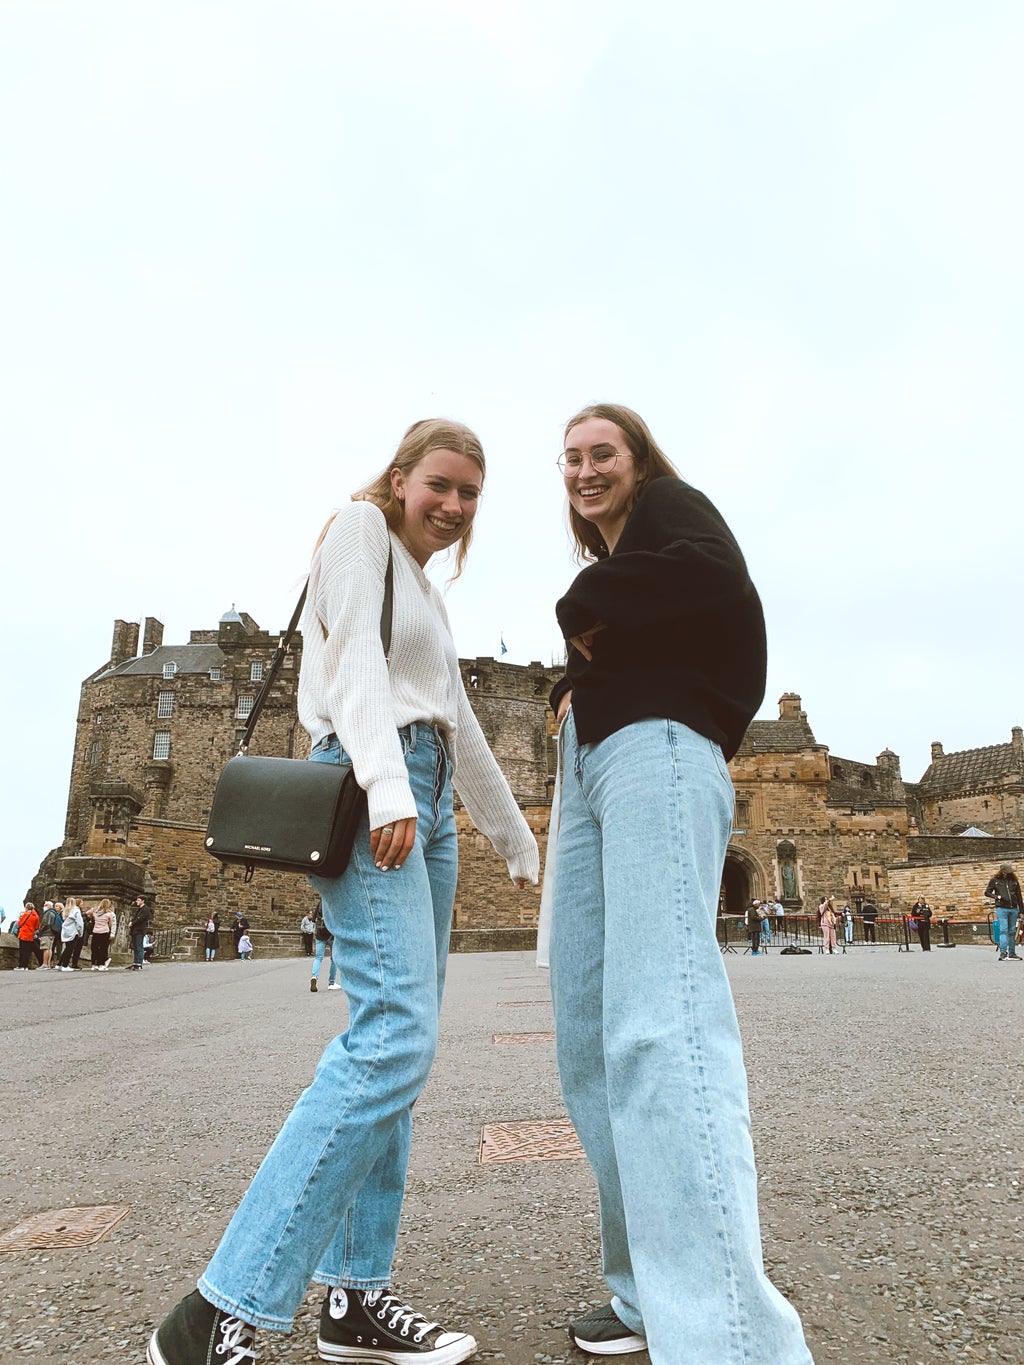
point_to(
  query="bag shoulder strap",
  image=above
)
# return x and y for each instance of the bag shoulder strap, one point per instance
(284, 645)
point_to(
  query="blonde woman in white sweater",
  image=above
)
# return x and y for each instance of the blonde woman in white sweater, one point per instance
(325, 1204)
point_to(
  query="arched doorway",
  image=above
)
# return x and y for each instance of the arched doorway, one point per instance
(741, 883)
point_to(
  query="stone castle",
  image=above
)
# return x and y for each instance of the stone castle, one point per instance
(156, 725)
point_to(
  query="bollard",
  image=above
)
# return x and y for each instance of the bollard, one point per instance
(945, 935)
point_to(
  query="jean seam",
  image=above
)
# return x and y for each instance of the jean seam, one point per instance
(714, 1174)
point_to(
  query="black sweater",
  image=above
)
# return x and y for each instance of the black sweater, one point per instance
(685, 631)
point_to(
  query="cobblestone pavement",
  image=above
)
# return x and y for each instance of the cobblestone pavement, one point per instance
(886, 1119)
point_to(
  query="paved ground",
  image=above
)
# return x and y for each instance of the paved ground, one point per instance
(886, 1117)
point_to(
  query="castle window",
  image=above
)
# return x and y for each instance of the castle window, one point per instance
(162, 744)
(170, 670)
(837, 770)
(741, 818)
(245, 705)
(256, 672)
(94, 754)
(215, 675)
(165, 705)
(985, 804)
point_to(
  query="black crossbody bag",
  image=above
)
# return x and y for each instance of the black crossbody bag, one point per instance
(288, 814)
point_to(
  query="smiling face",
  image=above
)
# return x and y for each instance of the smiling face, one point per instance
(439, 498)
(604, 497)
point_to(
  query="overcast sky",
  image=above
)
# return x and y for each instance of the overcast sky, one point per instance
(244, 245)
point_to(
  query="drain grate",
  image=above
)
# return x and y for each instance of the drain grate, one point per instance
(523, 1038)
(63, 1228)
(530, 1140)
(512, 1004)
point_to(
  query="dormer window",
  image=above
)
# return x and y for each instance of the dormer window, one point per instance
(215, 675)
(170, 670)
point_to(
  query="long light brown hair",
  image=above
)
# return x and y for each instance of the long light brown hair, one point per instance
(649, 460)
(432, 433)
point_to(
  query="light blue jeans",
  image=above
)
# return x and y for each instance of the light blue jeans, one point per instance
(325, 1204)
(1006, 928)
(319, 948)
(649, 1048)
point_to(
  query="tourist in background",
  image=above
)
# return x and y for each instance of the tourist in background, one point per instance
(87, 928)
(665, 670)
(28, 928)
(70, 934)
(754, 922)
(922, 916)
(103, 930)
(847, 924)
(241, 926)
(323, 941)
(325, 1204)
(138, 930)
(307, 929)
(245, 948)
(827, 920)
(47, 924)
(766, 922)
(212, 937)
(1004, 890)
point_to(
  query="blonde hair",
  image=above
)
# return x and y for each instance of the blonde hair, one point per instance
(649, 460)
(432, 433)
(103, 906)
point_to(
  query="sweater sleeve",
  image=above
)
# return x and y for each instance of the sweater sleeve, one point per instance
(488, 798)
(697, 567)
(349, 594)
(485, 792)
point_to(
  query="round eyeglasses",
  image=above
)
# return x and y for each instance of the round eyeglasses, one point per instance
(602, 458)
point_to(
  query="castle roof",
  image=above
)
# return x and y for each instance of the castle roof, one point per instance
(189, 659)
(777, 737)
(970, 768)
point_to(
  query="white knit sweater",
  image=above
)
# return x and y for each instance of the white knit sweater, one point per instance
(345, 685)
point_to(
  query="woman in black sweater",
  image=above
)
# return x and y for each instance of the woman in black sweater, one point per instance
(666, 666)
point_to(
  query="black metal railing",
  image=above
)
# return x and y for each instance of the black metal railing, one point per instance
(887, 931)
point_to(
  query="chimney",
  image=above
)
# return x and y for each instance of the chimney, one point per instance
(125, 642)
(936, 750)
(152, 635)
(789, 707)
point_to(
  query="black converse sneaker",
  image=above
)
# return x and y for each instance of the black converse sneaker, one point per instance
(374, 1324)
(603, 1333)
(195, 1333)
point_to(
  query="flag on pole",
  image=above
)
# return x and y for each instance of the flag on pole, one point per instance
(504, 650)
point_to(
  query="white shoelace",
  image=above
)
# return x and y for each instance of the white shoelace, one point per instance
(239, 1338)
(401, 1313)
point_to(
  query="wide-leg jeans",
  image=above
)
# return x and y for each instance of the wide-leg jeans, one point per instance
(325, 1203)
(649, 1049)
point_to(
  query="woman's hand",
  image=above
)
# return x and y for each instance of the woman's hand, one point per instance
(563, 706)
(585, 640)
(390, 845)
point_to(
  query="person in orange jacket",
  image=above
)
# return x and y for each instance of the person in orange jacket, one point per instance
(28, 928)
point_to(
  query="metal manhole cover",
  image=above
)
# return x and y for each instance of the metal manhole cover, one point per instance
(523, 1038)
(63, 1228)
(530, 1140)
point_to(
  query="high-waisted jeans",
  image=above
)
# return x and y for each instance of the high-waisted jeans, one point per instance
(649, 1048)
(325, 1204)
